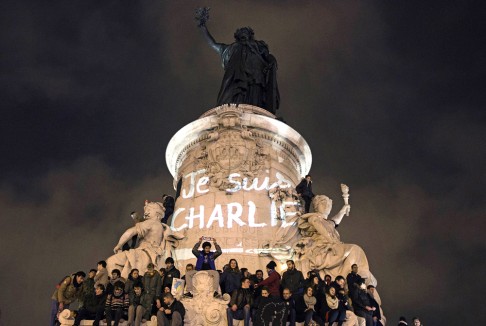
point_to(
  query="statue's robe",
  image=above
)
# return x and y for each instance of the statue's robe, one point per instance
(250, 75)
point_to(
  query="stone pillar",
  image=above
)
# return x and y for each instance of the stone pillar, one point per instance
(229, 163)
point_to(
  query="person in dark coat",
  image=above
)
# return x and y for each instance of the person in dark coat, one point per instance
(94, 307)
(168, 202)
(352, 279)
(293, 279)
(288, 299)
(140, 305)
(241, 302)
(374, 304)
(362, 303)
(171, 272)
(304, 190)
(170, 312)
(231, 277)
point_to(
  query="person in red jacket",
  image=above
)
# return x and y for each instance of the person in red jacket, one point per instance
(272, 281)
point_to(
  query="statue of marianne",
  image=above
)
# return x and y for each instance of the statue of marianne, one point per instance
(250, 70)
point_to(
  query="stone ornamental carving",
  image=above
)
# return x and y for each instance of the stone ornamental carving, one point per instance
(203, 308)
(230, 147)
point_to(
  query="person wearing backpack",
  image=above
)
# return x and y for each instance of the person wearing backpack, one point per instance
(66, 292)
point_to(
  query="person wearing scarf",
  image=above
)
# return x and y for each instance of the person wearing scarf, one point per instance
(334, 314)
(65, 293)
(310, 302)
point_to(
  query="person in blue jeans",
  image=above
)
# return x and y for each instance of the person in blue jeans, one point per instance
(66, 292)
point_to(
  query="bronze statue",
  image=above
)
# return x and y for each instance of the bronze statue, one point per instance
(250, 70)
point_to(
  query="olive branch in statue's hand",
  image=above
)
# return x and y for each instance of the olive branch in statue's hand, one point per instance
(202, 16)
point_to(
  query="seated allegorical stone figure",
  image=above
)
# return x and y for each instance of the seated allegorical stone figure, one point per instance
(155, 243)
(321, 247)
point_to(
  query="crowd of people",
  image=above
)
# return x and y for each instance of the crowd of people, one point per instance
(310, 300)
(277, 299)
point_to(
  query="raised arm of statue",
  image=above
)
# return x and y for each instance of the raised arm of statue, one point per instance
(339, 216)
(210, 39)
(202, 16)
(127, 235)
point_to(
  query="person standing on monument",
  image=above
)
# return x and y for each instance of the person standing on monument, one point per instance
(171, 272)
(101, 276)
(293, 279)
(168, 202)
(66, 292)
(352, 279)
(272, 281)
(304, 190)
(205, 262)
(250, 70)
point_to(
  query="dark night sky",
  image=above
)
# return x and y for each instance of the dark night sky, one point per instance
(389, 95)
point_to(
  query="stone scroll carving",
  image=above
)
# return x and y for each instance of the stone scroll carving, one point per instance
(203, 308)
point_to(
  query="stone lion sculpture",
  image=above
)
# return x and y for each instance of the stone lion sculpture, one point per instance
(320, 246)
(156, 240)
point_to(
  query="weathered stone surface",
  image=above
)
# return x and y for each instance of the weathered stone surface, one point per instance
(229, 161)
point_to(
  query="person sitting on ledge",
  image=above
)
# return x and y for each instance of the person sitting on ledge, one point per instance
(240, 303)
(205, 262)
(140, 304)
(94, 307)
(290, 303)
(171, 312)
(117, 303)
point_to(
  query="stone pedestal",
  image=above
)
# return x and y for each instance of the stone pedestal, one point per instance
(236, 167)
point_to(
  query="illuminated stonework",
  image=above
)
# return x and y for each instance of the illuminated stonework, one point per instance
(231, 162)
